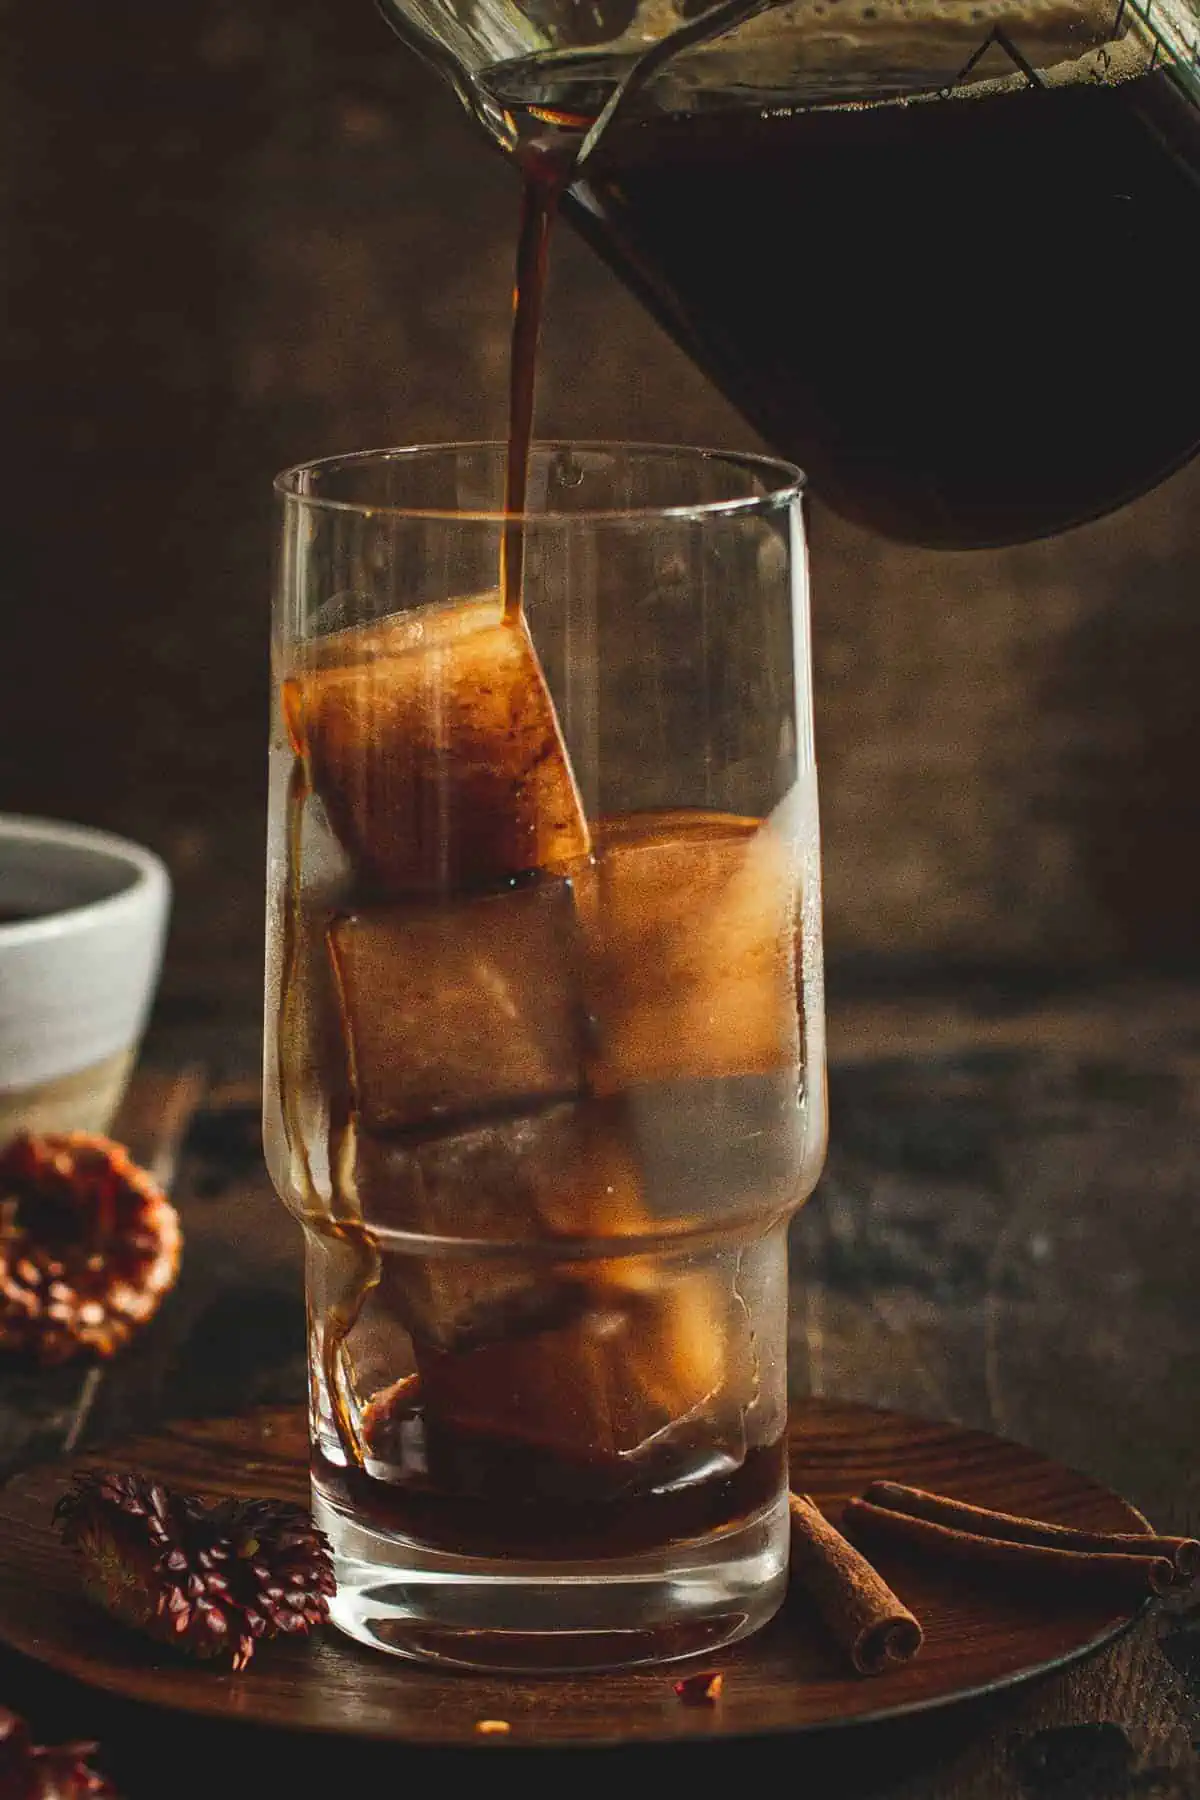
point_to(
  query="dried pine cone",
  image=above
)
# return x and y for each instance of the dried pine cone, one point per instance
(89, 1244)
(211, 1581)
(29, 1771)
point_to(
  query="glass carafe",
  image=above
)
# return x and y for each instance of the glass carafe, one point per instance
(945, 254)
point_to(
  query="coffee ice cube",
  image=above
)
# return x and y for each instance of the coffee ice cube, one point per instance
(433, 742)
(650, 1349)
(470, 1005)
(691, 926)
(519, 1184)
(564, 1174)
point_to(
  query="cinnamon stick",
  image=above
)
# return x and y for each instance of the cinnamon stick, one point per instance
(1112, 1574)
(859, 1609)
(918, 1503)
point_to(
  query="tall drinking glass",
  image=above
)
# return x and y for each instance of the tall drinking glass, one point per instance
(545, 1040)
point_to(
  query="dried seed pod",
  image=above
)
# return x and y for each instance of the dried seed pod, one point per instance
(89, 1245)
(30, 1771)
(211, 1581)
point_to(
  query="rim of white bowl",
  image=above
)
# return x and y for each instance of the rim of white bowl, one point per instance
(149, 878)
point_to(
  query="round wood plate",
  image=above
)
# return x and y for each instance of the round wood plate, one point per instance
(980, 1635)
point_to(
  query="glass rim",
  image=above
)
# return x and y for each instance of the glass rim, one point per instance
(786, 483)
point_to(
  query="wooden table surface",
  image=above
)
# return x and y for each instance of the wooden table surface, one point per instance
(1003, 1237)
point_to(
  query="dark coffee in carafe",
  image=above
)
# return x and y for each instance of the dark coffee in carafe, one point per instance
(966, 312)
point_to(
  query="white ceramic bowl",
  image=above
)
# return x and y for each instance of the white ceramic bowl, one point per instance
(82, 920)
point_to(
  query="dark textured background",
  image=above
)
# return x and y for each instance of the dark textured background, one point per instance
(240, 234)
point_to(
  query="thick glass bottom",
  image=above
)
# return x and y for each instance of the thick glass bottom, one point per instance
(468, 1612)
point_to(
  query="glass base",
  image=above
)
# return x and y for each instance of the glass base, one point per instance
(468, 1612)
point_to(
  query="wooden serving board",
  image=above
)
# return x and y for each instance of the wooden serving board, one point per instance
(980, 1634)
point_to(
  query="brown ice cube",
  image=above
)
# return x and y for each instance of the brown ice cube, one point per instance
(460, 1007)
(433, 742)
(562, 1174)
(650, 1349)
(691, 924)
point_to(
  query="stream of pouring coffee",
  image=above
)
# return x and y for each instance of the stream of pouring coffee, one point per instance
(543, 177)
(548, 164)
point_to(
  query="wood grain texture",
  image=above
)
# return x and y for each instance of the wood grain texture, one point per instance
(980, 1634)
